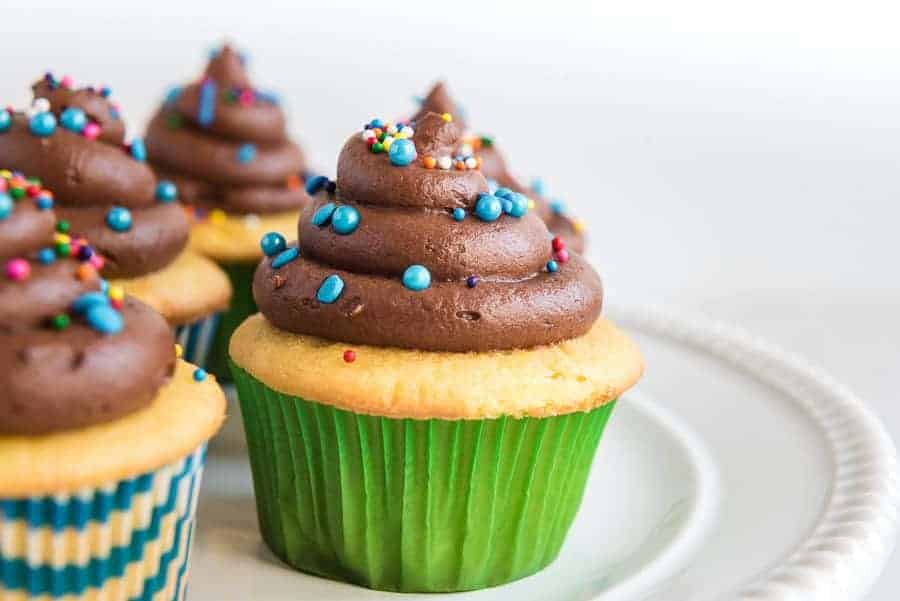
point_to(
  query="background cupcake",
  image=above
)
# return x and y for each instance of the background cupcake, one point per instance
(73, 139)
(426, 386)
(102, 430)
(553, 211)
(224, 143)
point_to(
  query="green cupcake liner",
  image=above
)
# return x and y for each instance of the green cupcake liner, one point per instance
(414, 505)
(242, 306)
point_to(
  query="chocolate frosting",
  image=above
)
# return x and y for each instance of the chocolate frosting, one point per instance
(91, 176)
(491, 285)
(494, 168)
(225, 143)
(71, 375)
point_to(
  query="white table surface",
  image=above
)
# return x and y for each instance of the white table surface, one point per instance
(740, 160)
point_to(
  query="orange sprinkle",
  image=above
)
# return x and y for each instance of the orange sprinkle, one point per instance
(461, 165)
(85, 271)
(430, 162)
(293, 182)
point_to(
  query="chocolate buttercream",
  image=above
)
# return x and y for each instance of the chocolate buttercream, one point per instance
(494, 283)
(92, 171)
(57, 369)
(225, 143)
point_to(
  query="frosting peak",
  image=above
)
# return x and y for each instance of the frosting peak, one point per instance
(226, 67)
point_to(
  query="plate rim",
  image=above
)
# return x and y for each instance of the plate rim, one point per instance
(849, 545)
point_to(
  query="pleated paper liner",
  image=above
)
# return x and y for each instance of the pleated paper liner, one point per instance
(414, 505)
(128, 540)
(242, 306)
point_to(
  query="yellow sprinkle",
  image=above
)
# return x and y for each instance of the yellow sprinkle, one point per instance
(400, 135)
(5, 173)
(578, 225)
(217, 216)
(178, 351)
(62, 238)
(116, 293)
(447, 117)
(530, 204)
(387, 143)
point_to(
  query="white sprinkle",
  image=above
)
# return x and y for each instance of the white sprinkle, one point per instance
(40, 105)
(408, 131)
(471, 163)
(251, 221)
(392, 129)
(466, 150)
(367, 134)
(444, 162)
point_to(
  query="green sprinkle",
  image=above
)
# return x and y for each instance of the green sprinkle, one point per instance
(377, 147)
(62, 226)
(487, 142)
(63, 249)
(173, 121)
(17, 193)
(61, 321)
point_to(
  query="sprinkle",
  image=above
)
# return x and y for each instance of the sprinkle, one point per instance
(447, 117)
(85, 271)
(116, 293)
(246, 153)
(578, 225)
(119, 219)
(173, 94)
(106, 91)
(349, 356)
(472, 281)
(562, 256)
(402, 152)
(206, 110)
(459, 214)
(62, 226)
(293, 182)
(552, 266)
(557, 206)
(42, 124)
(377, 147)
(460, 165)
(88, 300)
(330, 289)
(557, 243)
(60, 322)
(486, 142)
(173, 121)
(537, 186)
(345, 220)
(18, 269)
(46, 256)
(488, 207)
(504, 192)
(444, 162)
(6, 205)
(323, 214)
(178, 351)
(218, 217)
(246, 97)
(44, 202)
(471, 163)
(91, 131)
(387, 142)
(429, 162)
(5, 120)
(39, 105)
(518, 205)
(199, 374)
(138, 150)
(315, 183)
(105, 319)
(285, 257)
(272, 244)
(166, 191)
(73, 119)
(416, 278)
(63, 249)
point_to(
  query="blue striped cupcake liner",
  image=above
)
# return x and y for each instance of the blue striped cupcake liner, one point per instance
(196, 339)
(125, 541)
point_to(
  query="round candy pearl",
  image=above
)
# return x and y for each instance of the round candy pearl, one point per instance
(557, 243)
(552, 266)
(506, 204)
(166, 191)
(17, 269)
(5, 120)
(138, 150)
(345, 220)
(488, 207)
(74, 119)
(518, 205)
(91, 131)
(46, 256)
(199, 374)
(563, 256)
(40, 105)
(349, 356)
(285, 257)
(6, 205)
(402, 152)
(472, 281)
(246, 153)
(444, 162)
(119, 219)
(330, 290)
(315, 183)
(459, 214)
(44, 202)
(323, 214)
(416, 277)
(104, 319)
(272, 244)
(42, 124)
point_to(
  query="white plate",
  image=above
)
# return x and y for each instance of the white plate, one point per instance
(736, 471)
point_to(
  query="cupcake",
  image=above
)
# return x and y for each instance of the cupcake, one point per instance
(224, 144)
(553, 211)
(425, 388)
(102, 429)
(73, 139)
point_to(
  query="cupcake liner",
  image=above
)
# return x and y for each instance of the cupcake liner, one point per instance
(124, 541)
(242, 306)
(196, 339)
(414, 505)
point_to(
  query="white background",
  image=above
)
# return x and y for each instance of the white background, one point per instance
(740, 159)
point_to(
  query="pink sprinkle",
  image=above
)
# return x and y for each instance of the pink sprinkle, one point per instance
(18, 269)
(562, 255)
(97, 261)
(2, 185)
(246, 97)
(66, 81)
(91, 131)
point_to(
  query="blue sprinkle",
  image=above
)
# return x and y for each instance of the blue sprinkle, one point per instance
(506, 204)
(5, 120)
(206, 111)
(503, 192)
(44, 202)
(88, 300)
(272, 244)
(105, 319)
(199, 374)
(416, 278)
(459, 214)
(323, 214)
(537, 186)
(315, 183)
(104, 286)
(557, 206)
(552, 266)
(46, 256)
(166, 191)
(6, 205)
(492, 186)
(74, 119)
(114, 113)
(267, 96)
(472, 281)
(418, 99)
(285, 257)
(119, 219)
(173, 94)
(330, 290)
(488, 207)
(518, 205)
(402, 152)
(375, 123)
(106, 91)
(246, 153)
(345, 220)
(42, 124)
(85, 253)
(138, 150)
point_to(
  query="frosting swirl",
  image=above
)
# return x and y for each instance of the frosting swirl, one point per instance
(73, 139)
(73, 351)
(224, 143)
(401, 252)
